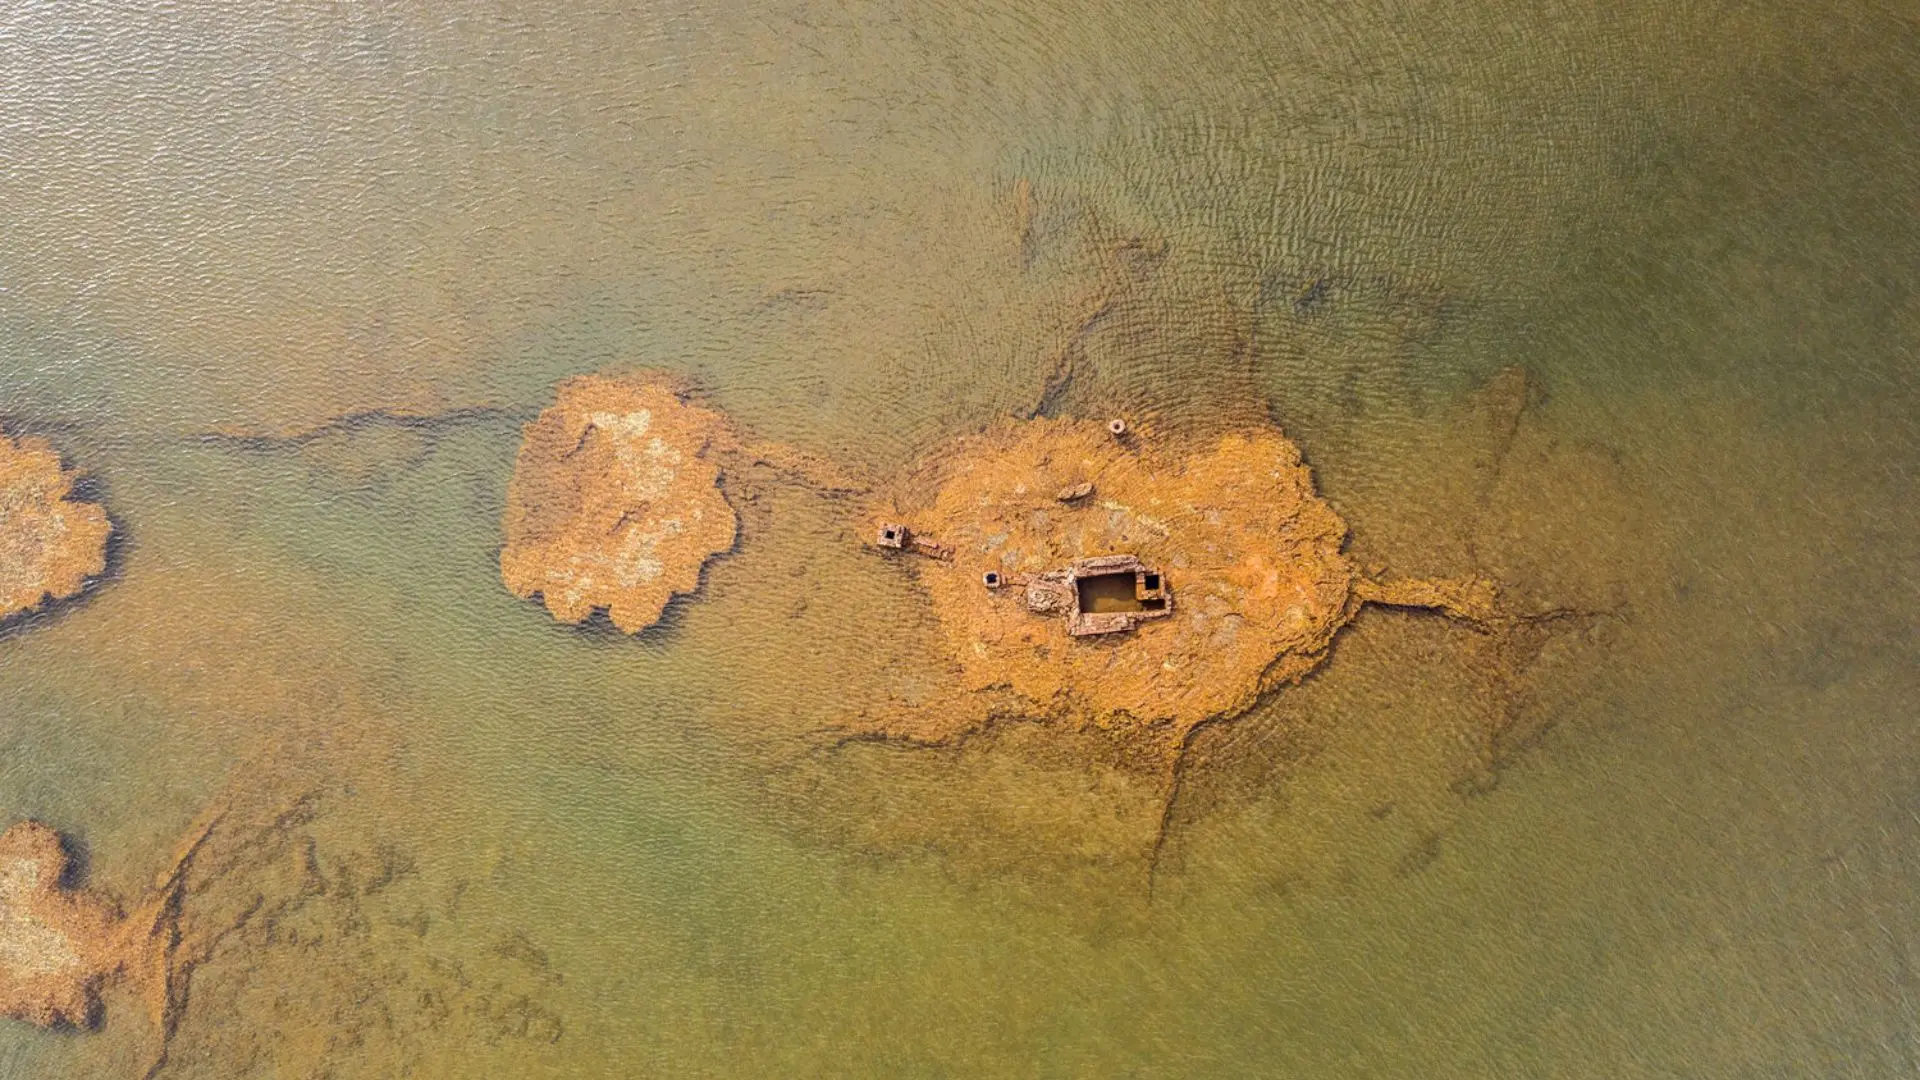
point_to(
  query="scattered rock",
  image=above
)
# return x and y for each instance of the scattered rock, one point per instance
(50, 544)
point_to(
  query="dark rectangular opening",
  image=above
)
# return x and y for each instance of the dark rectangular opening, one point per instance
(1105, 593)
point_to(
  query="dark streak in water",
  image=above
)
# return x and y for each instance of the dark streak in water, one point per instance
(371, 419)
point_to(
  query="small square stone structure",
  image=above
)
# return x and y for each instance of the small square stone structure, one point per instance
(894, 536)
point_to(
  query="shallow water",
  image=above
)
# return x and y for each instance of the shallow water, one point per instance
(288, 281)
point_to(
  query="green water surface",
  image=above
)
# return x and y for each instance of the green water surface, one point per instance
(1683, 840)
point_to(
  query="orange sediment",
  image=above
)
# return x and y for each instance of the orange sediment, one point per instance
(58, 946)
(1252, 555)
(1473, 599)
(49, 544)
(615, 501)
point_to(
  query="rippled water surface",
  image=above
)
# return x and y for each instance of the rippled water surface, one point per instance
(287, 279)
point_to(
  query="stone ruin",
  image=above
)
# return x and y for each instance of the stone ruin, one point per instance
(1058, 545)
(1050, 552)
